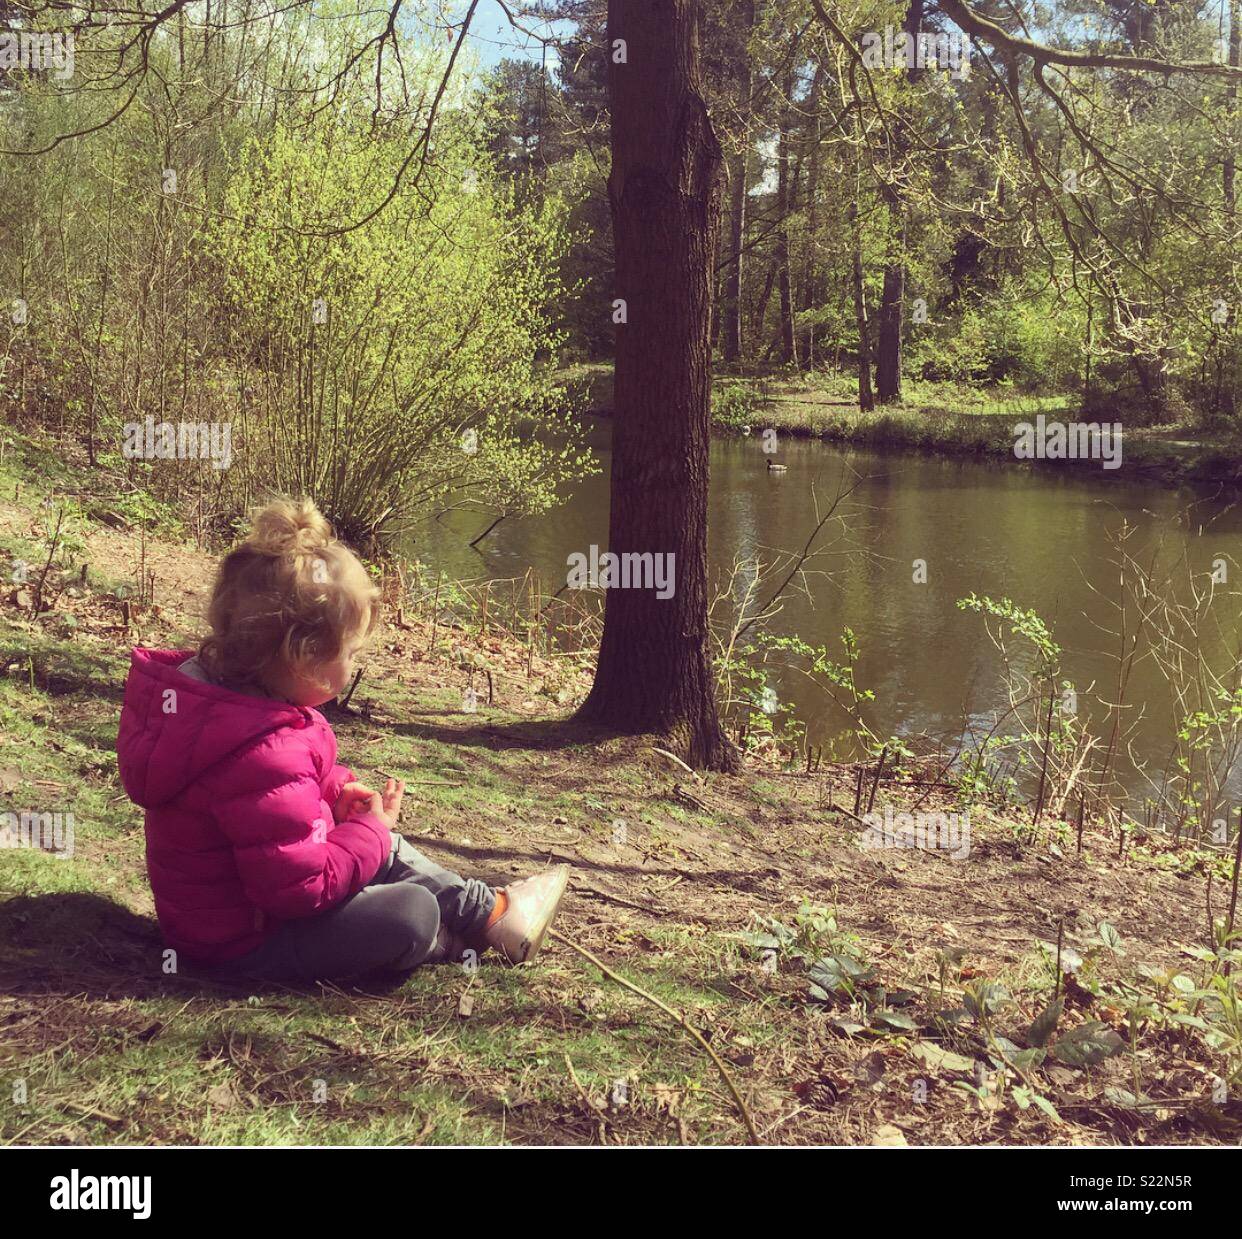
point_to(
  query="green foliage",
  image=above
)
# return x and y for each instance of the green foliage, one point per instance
(418, 387)
(372, 319)
(1026, 342)
(736, 405)
(1022, 622)
(749, 701)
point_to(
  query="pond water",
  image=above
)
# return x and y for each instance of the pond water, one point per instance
(1040, 538)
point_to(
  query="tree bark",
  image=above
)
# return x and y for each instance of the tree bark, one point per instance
(765, 295)
(893, 294)
(866, 399)
(892, 312)
(731, 308)
(810, 277)
(784, 206)
(654, 672)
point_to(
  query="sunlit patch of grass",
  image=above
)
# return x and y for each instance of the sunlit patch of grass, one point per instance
(31, 872)
(416, 1066)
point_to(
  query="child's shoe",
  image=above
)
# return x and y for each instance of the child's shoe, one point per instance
(518, 932)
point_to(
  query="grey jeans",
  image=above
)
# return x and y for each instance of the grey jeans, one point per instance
(391, 925)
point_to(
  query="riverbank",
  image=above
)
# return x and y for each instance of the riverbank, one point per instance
(854, 995)
(942, 418)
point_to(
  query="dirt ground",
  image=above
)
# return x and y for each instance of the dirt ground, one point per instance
(673, 876)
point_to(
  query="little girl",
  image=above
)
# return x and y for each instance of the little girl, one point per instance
(266, 858)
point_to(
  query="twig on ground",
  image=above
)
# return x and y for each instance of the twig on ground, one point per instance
(682, 764)
(419, 782)
(680, 1019)
(344, 702)
(603, 1114)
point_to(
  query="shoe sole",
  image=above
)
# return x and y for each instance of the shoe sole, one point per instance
(536, 943)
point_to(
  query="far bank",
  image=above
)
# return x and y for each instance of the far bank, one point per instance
(950, 419)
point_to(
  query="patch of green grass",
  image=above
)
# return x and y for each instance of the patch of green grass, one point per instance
(181, 1062)
(293, 1068)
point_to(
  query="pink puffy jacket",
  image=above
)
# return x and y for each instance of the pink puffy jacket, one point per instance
(238, 793)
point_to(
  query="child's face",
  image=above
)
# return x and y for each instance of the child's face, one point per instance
(322, 682)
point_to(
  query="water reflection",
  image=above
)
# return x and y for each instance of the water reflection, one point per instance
(1040, 538)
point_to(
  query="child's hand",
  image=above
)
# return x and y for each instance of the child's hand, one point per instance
(389, 809)
(354, 798)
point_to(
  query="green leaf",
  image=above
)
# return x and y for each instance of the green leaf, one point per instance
(839, 972)
(1047, 1107)
(984, 997)
(952, 1017)
(1199, 952)
(1071, 961)
(895, 1019)
(1086, 1046)
(1024, 1060)
(1045, 1023)
(1186, 1019)
(849, 1025)
(1111, 938)
(762, 942)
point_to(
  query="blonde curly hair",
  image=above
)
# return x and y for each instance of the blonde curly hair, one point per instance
(289, 594)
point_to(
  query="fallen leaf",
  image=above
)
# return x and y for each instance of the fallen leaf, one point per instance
(223, 1097)
(888, 1137)
(870, 1070)
(667, 1098)
(936, 1058)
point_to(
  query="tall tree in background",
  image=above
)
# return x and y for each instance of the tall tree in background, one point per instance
(731, 309)
(893, 296)
(1228, 388)
(654, 673)
(786, 191)
(807, 352)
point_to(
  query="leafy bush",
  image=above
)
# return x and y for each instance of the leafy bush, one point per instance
(736, 406)
(395, 362)
(1007, 339)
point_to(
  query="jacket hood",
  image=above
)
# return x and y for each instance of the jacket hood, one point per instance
(168, 739)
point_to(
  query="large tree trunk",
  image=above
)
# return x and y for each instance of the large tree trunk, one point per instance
(765, 295)
(892, 311)
(654, 673)
(893, 294)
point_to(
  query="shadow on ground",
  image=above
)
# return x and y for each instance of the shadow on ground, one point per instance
(523, 734)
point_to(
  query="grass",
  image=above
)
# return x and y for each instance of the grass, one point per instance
(103, 1044)
(153, 1057)
(934, 417)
